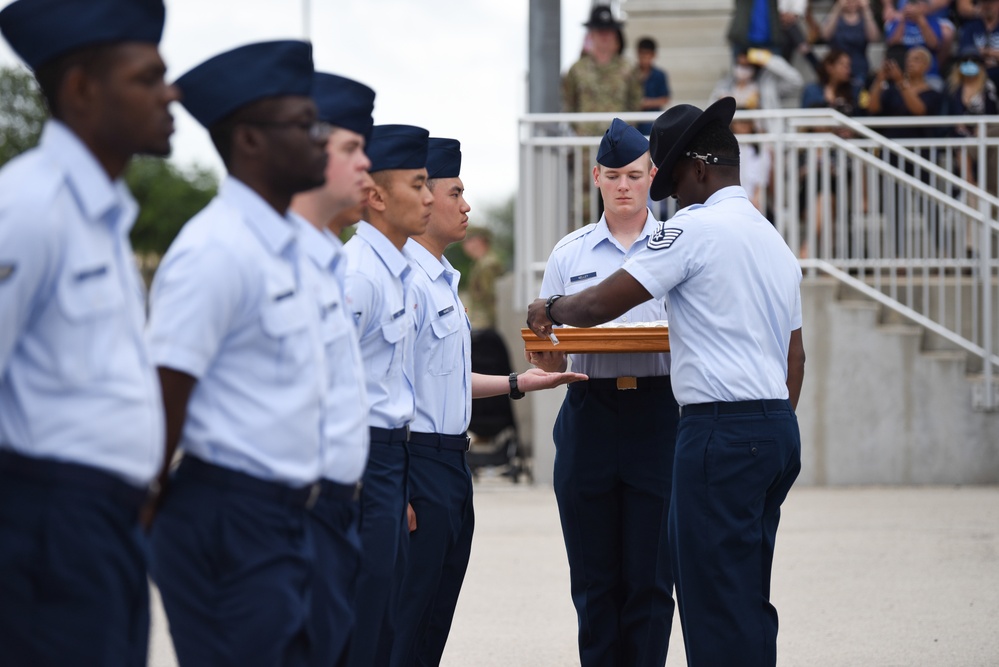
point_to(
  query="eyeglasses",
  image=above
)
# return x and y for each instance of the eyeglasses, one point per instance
(317, 130)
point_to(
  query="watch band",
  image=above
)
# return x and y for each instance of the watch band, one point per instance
(548, 308)
(515, 392)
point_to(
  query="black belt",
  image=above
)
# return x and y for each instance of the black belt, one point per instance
(627, 382)
(226, 478)
(761, 407)
(73, 475)
(457, 443)
(339, 491)
(389, 435)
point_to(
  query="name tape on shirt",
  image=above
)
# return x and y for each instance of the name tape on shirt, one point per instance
(6, 271)
(664, 237)
(583, 276)
(396, 316)
(91, 273)
(284, 295)
(442, 313)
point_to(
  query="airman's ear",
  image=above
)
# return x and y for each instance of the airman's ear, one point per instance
(377, 198)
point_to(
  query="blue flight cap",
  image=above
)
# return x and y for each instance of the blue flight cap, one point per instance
(443, 158)
(622, 144)
(40, 31)
(231, 80)
(397, 147)
(344, 102)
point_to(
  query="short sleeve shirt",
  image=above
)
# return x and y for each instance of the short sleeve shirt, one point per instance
(345, 415)
(443, 350)
(377, 284)
(583, 259)
(734, 298)
(76, 380)
(233, 306)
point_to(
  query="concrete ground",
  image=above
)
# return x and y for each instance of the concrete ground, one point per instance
(863, 576)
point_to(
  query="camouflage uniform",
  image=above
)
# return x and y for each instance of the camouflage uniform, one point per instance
(587, 87)
(482, 291)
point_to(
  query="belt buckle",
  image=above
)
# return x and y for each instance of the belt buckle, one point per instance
(357, 490)
(627, 382)
(408, 432)
(314, 491)
(468, 443)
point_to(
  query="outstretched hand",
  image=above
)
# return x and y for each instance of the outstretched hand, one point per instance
(536, 379)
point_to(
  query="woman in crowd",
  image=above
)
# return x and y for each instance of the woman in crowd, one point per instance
(849, 27)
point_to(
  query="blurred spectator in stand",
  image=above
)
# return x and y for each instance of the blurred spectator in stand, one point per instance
(754, 163)
(834, 90)
(849, 27)
(756, 24)
(601, 80)
(914, 24)
(982, 33)
(795, 39)
(937, 9)
(758, 80)
(893, 93)
(486, 268)
(971, 93)
(655, 83)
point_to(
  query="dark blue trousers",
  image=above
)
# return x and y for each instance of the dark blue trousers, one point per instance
(735, 463)
(440, 487)
(73, 587)
(234, 560)
(613, 469)
(384, 540)
(338, 554)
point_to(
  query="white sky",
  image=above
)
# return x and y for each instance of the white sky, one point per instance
(455, 67)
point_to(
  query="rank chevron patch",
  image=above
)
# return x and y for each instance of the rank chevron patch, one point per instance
(664, 238)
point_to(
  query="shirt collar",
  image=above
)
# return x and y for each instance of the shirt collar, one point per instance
(317, 245)
(276, 231)
(730, 192)
(601, 232)
(99, 196)
(424, 259)
(389, 254)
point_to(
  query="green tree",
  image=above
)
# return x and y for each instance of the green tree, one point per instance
(167, 196)
(22, 112)
(498, 217)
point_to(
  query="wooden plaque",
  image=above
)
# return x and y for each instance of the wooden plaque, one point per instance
(601, 339)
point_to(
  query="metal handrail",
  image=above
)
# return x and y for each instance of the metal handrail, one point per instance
(918, 222)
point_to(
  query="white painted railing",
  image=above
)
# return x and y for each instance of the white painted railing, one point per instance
(902, 221)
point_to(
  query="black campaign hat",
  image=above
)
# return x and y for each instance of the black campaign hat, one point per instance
(671, 133)
(603, 17)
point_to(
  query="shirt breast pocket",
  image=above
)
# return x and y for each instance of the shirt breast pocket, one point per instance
(285, 327)
(394, 332)
(446, 342)
(91, 302)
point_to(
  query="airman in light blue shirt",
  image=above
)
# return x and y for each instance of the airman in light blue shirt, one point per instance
(233, 305)
(380, 300)
(72, 347)
(236, 331)
(81, 414)
(377, 274)
(346, 105)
